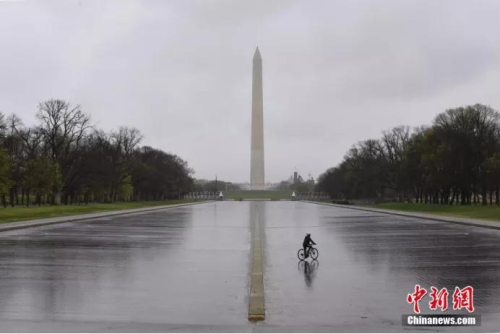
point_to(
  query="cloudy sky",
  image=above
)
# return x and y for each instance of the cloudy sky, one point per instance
(335, 72)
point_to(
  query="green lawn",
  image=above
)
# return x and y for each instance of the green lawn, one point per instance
(275, 195)
(471, 211)
(20, 213)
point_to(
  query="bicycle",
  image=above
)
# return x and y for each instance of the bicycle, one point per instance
(313, 253)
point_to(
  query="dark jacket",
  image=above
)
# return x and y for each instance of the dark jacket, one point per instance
(307, 241)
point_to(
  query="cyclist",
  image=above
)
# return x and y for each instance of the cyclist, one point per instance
(307, 244)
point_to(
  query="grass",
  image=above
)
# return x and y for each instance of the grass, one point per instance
(470, 211)
(274, 195)
(20, 213)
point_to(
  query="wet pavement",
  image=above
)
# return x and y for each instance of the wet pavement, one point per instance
(187, 269)
(367, 265)
(160, 271)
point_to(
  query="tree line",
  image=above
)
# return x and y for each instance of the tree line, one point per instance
(64, 159)
(454, 161)
(201, 186)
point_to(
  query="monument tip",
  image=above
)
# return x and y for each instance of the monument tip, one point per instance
(257, 54)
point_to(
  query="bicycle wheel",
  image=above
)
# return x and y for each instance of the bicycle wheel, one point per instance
(301, 255)
(314, 253)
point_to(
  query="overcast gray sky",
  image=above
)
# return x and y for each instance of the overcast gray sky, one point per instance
(335, 72)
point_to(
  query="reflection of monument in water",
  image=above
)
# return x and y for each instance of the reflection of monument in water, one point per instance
(257, 179)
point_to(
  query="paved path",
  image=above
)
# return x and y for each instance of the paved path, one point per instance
(443, 218)
(188, 268)
(74, 218)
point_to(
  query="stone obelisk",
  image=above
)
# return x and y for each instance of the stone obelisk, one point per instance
(257, 157)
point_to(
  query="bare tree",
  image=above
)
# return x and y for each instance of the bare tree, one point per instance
(394, 143)
(64, 130)
(124, 143)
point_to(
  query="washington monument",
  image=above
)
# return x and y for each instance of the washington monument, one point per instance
(257, 180)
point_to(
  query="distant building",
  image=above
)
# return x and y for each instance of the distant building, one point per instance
(296, 182)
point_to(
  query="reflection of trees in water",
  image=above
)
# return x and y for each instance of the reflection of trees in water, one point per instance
(309, 270)
(439, 254)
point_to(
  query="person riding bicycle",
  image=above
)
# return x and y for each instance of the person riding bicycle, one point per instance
(307, 244)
